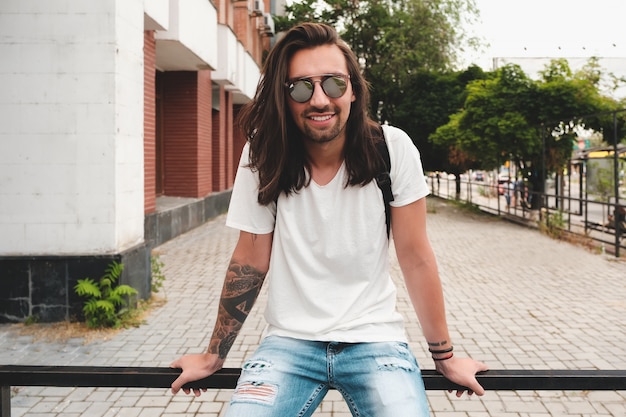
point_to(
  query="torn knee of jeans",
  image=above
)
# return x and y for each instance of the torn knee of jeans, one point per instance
(394, 364)
(256, 366)
(255, 392)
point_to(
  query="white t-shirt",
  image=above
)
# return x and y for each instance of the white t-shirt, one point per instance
(329, 268)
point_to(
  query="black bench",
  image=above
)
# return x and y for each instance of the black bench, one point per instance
(146, 377)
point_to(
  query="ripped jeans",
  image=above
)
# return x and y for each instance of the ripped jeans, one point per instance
(289, 378)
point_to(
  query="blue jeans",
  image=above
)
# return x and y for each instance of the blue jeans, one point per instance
(289, 378)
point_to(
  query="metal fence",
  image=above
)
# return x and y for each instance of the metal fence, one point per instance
(567, 210)
(589, 204)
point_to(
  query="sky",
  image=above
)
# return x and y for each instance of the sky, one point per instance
(532, 32)
(550, 28)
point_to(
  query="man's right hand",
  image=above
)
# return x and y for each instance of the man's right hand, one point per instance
(195, 367)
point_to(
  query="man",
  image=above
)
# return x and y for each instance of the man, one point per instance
(312, 218)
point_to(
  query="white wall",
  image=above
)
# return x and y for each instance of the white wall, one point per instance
(190, 41)
(71, 126)
(246, 77)
(129, 161)
(156, 14)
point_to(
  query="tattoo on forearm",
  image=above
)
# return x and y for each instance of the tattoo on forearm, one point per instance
(241, 289)
(435, 344)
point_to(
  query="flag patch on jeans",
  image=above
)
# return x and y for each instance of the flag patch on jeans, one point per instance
(256, 392)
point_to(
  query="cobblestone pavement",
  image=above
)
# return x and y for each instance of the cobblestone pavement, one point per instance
(516, 300)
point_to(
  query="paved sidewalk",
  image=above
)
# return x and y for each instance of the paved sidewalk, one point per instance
(516, 299)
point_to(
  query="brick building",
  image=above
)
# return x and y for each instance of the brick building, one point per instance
(116, 134)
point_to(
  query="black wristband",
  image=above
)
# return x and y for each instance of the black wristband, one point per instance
(440, 352)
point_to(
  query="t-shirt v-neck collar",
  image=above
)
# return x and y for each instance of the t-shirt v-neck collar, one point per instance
(338, 175)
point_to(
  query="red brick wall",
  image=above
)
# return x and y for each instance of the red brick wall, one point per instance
(187, 133)
(230, 168)
(219, 143)
(149, 122)
(205, 137)
(239, 141)
(224, 163)
(200, 147)
(241, 23)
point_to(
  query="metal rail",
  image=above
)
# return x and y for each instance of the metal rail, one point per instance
(146, 377)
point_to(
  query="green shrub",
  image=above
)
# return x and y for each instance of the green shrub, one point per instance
(553, 223)
(158, 276)
(106, 303)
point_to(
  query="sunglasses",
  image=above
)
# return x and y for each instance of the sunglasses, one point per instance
(333, 85)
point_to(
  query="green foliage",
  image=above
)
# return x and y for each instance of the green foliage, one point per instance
(604, 183)
(424, 105)
(469, 119)
(553, 224)
(431, 207)
(601, 181)
(495, 119)
(487, 191)
(158, 276)
(392, 39)
(467, 206)
(508, 116)
(106, 303)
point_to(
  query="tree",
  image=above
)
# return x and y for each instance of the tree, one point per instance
(497, 113)
(457, 161)
(310, 11)
(511, 117)
(393, 39)
(427, 102)
(567, 101)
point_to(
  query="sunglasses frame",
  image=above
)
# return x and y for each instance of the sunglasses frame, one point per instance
(309, 79)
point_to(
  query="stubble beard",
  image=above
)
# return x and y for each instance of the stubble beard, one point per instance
(326, 135)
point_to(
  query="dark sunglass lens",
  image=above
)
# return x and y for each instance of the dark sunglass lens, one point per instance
(301, 91)
(334, 87)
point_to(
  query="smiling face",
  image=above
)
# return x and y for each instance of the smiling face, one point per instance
(321, 119)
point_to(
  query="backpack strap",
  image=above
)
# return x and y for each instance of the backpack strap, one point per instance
(383, 180)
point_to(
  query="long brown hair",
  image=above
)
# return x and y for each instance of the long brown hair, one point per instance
(275, 151)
